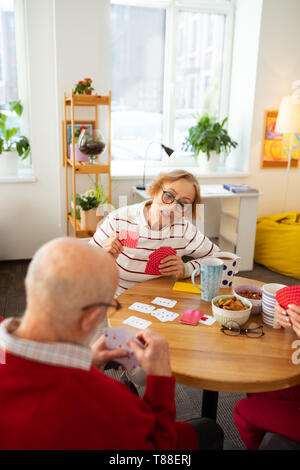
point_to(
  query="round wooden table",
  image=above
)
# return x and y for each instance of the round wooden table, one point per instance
(202, 356)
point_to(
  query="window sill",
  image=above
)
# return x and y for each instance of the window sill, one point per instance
(22, 177)
(123, 171)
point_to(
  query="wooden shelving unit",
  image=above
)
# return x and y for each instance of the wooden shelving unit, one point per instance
(83, 168)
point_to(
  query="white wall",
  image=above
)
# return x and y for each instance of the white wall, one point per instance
(278, 66)
(82, 50)
(29, 212)
(69, 40)
(243, 79)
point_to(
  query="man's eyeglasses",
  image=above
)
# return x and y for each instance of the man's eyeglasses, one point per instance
(116, 305)
(234, 329)
(169, 198)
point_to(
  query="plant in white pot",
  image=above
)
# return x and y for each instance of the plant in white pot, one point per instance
(12, 145)
(89, 202)
(208, 139)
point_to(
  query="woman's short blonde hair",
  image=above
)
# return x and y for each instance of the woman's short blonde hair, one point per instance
(175, 175)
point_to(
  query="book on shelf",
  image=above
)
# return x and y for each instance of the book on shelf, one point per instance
(240, 188)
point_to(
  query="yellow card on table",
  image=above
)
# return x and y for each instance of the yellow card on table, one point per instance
(186, 287)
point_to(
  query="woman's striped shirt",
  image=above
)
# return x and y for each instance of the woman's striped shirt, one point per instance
(182, 235)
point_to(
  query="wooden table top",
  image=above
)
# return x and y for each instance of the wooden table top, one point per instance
(202, 356)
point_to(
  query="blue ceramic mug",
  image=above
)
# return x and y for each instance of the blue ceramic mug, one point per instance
(211, 270)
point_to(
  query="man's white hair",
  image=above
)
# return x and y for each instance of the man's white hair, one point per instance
(66, 275)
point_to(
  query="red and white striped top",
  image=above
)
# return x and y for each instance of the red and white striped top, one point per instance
(183, 236)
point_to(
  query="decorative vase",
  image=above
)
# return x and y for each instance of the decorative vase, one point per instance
(91, 144)
(89, 219)
(79, 156)
(87, 92)
(207, 166)
(9, 163)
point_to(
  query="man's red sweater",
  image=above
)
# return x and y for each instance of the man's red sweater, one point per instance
(53, 407)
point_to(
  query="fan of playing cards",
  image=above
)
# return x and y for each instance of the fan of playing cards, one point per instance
(116, 338)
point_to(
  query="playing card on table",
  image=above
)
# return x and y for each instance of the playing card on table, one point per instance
(138, 323)
(140, 307)
(191, 317)
(129, 238)
(164, 302)
(164, 315)
(207, 320)
(115, 338)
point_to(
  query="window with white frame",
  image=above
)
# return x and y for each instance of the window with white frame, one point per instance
(8, 61)
(171, 59)
(13, 68)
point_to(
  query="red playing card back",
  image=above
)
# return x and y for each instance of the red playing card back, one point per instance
(191, 317)
(288, 295)
(129, 238)
(156, 257)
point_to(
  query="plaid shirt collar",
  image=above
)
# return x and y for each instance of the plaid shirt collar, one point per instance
(56, 354)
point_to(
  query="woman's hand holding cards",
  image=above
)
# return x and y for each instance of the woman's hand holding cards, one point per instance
(294, 315)
(113, 245)
(172, 266)
(289, 318)
(154, 358)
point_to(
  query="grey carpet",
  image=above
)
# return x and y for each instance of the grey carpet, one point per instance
(188, 399)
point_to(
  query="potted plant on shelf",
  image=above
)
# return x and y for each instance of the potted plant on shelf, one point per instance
(84, 87)
(208, 139)
(89, 203)
(12, 144)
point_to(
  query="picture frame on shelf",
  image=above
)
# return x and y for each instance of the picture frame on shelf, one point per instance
(90, 128)
(275, 148)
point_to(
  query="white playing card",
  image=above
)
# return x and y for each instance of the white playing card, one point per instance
(140, 307)
(164, 315)
(138, 323)
(207, 320)
(164, 302)
(115, 338)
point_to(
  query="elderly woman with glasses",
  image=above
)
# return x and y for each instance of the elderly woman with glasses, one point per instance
(166, 220)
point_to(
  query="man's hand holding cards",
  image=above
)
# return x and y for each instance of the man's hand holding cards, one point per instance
(154, 356)
(147, 349)
(117, 339)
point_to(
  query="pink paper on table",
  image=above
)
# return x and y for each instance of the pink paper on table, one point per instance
(129, 238)
(156, 257)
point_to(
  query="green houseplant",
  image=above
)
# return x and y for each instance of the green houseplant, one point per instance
(12, 145)
(84, 87)
(88, 203)
(208, 139)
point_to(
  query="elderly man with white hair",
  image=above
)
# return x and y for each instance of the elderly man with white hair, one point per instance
(53, 394)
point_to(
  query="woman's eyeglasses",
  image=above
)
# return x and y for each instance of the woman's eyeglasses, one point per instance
(169, 198)
(116, 305)
(234, 329)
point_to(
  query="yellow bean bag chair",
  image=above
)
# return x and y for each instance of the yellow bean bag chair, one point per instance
(277, 244)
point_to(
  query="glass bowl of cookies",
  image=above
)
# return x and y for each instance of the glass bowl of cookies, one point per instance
(231, 308)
